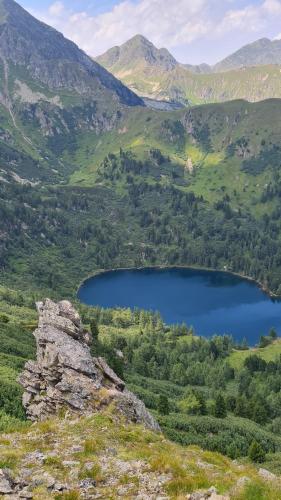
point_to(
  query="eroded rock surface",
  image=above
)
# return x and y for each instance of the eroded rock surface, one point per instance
(66, 378)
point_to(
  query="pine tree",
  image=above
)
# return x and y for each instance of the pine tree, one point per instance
(244, 344)
(163, 405)
(264, 342)
(256, 452)
(220, 407)
(273, 334)
(232, 451)
(94, 330)
(95, 347)
(260, 412)
(202, 403)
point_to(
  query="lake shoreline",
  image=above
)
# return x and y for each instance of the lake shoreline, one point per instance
(99, 272)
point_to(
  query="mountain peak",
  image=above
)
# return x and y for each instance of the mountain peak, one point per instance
(139, 39)
(137, 51)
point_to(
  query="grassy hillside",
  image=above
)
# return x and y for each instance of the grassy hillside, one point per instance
(116, 459)
(262, 51)
(268, 353)
(222, 146)
(91, 181)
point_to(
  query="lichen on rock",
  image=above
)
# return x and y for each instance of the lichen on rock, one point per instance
(66, 378)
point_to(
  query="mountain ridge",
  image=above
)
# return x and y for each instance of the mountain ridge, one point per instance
(154, 73)
(139, 47)
(258, 53)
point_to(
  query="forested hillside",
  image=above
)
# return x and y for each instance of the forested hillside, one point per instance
(209, 393)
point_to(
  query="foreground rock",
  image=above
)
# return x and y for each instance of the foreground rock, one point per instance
(66, 378)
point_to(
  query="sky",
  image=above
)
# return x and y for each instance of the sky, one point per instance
(194, 31)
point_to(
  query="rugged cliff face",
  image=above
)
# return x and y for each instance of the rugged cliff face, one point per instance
(51, 59)
(50, 92)
(66, 378)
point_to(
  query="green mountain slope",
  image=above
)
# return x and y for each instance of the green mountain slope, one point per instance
(161, 188)
(216, 166)
(53, 60)
(155, 74)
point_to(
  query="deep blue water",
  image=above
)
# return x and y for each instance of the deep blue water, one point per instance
(212, 302)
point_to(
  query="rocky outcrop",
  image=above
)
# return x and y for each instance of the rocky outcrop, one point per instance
(65, 378)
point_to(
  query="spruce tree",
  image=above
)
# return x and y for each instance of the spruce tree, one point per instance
(163, 405)
(94, 330)
(260, 412)
(256, 452)
(273, 334)
(220, 407)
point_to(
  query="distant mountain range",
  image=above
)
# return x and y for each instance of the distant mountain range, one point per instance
(251, 73)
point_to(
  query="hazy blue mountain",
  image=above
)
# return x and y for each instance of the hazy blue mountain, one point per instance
(261, 52)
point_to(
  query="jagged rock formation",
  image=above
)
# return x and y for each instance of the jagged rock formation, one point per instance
(66, 377)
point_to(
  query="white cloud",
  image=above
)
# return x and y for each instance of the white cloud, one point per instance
(180, 22)
(252, 18)
(165, 24)
(170, 24)
(56, 9)
(272, 7)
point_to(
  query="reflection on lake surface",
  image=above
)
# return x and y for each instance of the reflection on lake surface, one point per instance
(212, 302)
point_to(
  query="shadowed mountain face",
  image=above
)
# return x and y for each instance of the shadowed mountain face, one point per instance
(49, 91)
(52, 59)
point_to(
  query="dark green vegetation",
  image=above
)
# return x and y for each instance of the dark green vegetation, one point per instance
(90, 183)
(17, 319)
(191, 385)
(52, 237)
